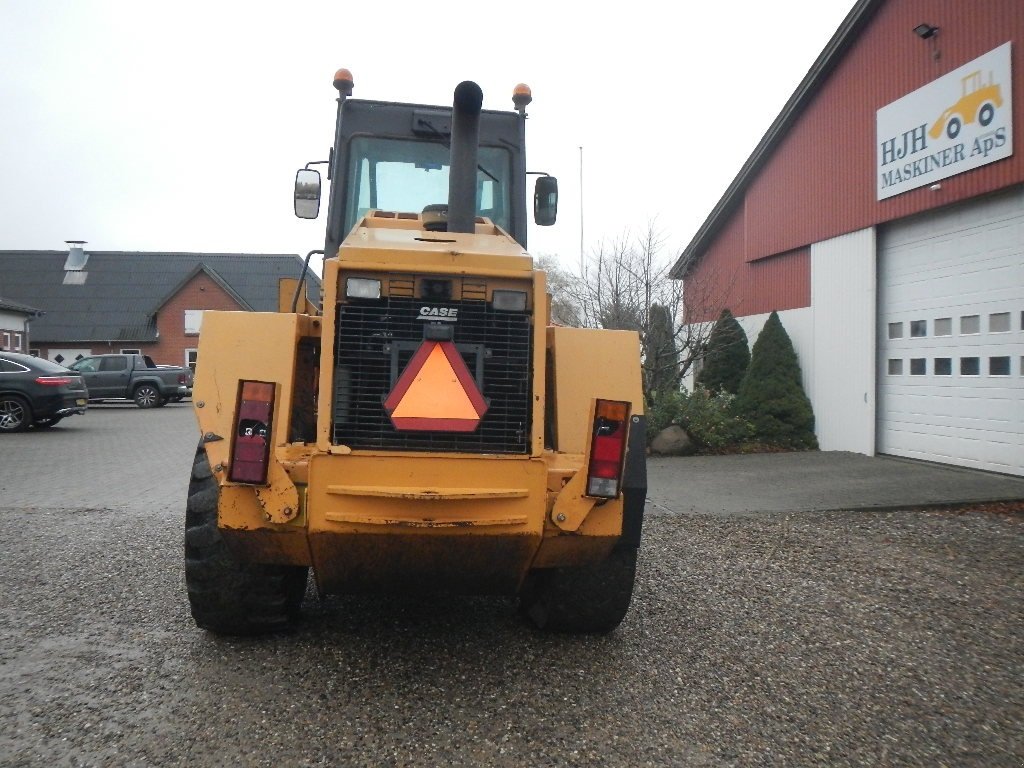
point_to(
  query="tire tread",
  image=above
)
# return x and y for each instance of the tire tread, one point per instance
(228, 596)
(589, 599)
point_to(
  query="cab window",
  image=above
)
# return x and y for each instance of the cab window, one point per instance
(407, 175)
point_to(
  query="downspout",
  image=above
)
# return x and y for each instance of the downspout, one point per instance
(27, 339)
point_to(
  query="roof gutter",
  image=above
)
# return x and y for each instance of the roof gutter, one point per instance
(841, 41)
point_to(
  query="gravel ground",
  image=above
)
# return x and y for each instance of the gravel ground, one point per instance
(846, 639)
(802, 639)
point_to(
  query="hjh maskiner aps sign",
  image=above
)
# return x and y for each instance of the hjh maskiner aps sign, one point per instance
(959, 122)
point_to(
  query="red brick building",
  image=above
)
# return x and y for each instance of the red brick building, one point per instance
(151, 303)
(14, 325)
(882, 215)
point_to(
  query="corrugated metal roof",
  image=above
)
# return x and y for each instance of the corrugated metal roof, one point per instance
(123, 291)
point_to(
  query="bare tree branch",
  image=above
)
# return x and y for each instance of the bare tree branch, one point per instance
(624, 284)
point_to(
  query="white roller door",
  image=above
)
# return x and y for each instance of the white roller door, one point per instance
(68, 356)
(950, 337)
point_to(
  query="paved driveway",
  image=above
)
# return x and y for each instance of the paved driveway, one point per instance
(817, 481)
(113, 457)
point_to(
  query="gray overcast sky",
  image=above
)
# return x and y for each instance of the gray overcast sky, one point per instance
(179, 126)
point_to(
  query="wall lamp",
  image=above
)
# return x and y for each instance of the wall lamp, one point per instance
(928, 32)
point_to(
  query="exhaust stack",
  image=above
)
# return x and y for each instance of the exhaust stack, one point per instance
(462, 170)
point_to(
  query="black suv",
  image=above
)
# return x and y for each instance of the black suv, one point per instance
(36, 392)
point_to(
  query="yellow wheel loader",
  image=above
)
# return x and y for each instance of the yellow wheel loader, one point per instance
(425, 429)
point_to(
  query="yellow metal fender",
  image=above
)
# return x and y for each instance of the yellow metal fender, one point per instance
(257, 346)
(576, 353)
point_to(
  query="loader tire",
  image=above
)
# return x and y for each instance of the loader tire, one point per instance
(228, 596)
(589, 599)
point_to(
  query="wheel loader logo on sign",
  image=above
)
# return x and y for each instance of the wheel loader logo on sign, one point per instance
(436, 392)
(956, 123)
(978, 101)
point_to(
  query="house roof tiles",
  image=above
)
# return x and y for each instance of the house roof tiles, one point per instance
(123, 291)
(14, 306)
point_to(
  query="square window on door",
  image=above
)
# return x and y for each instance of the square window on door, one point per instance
(895, 330)
(999, 366)
(969, 366)
(999, 322)
(943, 366)
(970, 324)
(918, 329)
(895, 367)
(918, 366)
(944, 326)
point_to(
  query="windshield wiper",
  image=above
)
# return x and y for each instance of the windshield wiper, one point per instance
(448, 145)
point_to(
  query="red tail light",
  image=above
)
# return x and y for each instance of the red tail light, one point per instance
(54, 381)
(182, 379)
(251, 450)
(607, 448)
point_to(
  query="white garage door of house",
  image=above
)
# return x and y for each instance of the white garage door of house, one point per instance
(68, 356)
(950, 336)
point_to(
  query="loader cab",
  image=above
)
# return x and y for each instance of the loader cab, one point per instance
(395, 157)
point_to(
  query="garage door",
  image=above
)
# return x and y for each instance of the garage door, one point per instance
(68, 356)
(950, 337)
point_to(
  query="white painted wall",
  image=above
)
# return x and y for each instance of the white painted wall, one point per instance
(842, 380)
(798, 324)
(11, 323)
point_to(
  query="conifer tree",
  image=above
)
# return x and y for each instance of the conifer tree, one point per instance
(771, 396)
(661, 357)
(727, 356)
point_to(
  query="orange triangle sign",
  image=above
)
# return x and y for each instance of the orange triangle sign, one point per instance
(436, 392)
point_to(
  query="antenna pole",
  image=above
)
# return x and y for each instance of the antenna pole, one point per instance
(581, 206)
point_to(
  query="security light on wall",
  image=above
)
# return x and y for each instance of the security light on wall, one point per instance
(929, 32)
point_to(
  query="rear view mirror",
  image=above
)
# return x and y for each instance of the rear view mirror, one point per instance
(307, 194)
(545, 201)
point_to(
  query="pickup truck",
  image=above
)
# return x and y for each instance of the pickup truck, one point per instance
(133, 377)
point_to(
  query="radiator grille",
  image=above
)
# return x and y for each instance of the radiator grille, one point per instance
(377, 338)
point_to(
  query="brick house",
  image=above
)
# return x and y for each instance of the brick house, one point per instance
(14, 321)
(151, 303)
